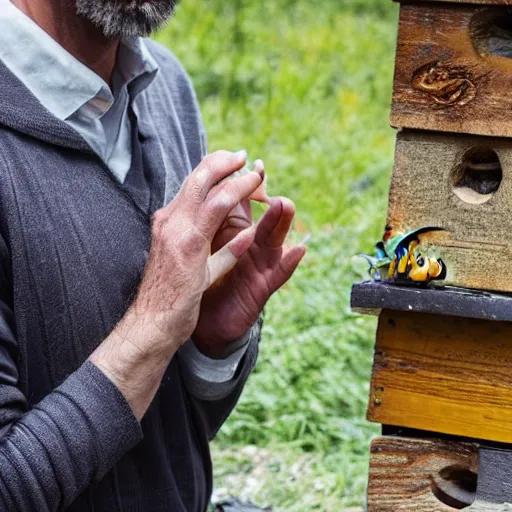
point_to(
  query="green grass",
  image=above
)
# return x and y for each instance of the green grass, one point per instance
(306, 86)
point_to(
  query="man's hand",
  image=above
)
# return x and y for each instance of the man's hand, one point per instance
(180, 268)
(230, 307)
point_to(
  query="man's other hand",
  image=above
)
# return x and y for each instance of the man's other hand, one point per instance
(231, 306)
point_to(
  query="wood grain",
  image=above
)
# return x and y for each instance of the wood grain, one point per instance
(447, 375)
(477, 244)
(448, 75)
(434, 475)
(413, 474)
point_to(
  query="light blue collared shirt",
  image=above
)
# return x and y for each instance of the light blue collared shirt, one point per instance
(75, 94)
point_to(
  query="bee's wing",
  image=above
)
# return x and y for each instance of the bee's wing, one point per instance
(413, 235)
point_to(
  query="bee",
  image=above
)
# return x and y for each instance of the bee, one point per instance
(402, 257)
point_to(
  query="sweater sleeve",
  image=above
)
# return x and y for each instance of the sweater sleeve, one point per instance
(51, 452)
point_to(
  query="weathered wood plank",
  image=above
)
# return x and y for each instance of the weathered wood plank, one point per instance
(433, 184)
(443, 374)
(453, 69)
(372, 297)
(421, 475)
(433, 475)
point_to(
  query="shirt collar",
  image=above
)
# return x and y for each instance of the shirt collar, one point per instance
(58, 80)
(135, 67)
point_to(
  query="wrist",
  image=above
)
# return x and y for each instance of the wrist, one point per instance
(211, 350)
(134, 357)
(220, 347)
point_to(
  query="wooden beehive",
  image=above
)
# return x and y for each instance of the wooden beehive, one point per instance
(441, 376)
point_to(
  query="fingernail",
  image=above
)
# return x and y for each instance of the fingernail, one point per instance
(241, 155)
(259, 166)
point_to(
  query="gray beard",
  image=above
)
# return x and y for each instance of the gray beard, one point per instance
(126, 18)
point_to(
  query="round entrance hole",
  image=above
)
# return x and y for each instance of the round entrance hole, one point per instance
(491, 32)
(478, 177)
(455, 486)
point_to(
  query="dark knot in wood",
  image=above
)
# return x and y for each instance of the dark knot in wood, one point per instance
(446, 85)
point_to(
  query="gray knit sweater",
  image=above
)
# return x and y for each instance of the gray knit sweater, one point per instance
(73, 244)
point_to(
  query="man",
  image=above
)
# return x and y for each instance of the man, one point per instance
(131, 277)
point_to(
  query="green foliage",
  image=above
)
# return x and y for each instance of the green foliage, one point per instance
(306, 86)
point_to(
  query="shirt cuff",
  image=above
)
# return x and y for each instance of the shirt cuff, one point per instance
(215, 370)
(216, 384)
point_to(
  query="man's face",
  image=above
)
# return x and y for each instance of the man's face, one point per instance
(126, 18)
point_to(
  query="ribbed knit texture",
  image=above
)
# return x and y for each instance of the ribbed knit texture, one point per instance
(73, 244)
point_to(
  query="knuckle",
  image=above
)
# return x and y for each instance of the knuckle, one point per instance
(195, 186)
(224, 199)
(221, 155)
(200, 175)
(191, 243)
(209, 162)
(214, 161)
(159, 220)
(206, 164)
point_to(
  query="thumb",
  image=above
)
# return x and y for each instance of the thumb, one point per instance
(220, 263)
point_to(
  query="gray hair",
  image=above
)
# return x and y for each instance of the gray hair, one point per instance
(126, 18)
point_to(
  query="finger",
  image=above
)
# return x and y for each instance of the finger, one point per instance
(239, 218)
(212, 169)
(226, 258)
(290, 260)
(259, 166)
(276, 223)
(223, 199)
(260, 193)
(241, 215)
